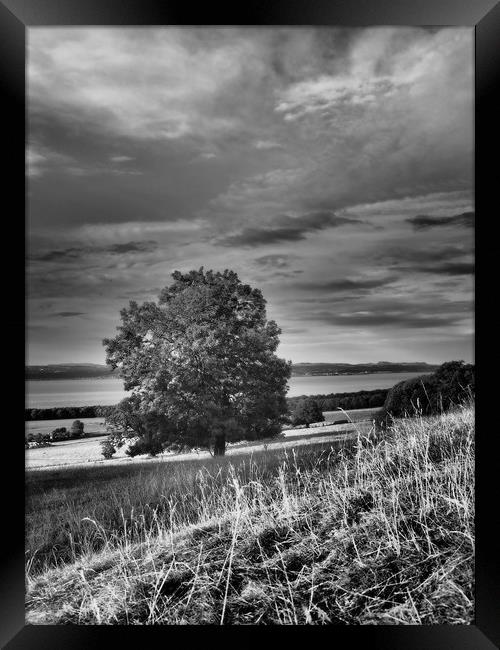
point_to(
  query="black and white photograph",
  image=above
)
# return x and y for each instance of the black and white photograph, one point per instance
(250, 362)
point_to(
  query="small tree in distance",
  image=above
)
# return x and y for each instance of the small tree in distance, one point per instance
(201, 365)
(306, 412)
(77, 429)
(107, 448)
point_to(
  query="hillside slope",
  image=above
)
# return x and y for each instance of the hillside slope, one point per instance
(379, 534)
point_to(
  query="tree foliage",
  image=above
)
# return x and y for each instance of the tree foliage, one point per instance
(355, 400)
(200, 363)
(107, 448)
(77, 429)
(306, 412)
(450, 385)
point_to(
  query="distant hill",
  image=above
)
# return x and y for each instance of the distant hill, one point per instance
(95, 370)
(70, 371)
(304, 369)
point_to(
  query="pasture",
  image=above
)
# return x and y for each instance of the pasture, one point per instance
(88, 450)
(92, 426)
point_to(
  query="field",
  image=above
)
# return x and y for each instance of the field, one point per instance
(369, 530)
(92, 426)
(88, 450)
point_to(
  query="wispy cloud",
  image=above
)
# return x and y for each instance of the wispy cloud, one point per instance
(121, 159)
(68, 254)
(353, 287)
(444, 268)
(273, 261)
(285, 228)
(423, 222)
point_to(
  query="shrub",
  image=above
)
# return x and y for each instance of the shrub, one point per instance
(450, 385)
(107, 449)
(152, 446)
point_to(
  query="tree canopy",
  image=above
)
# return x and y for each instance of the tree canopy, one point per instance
(201, 363)
(306, 412)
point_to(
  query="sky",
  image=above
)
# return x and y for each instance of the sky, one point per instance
(330, 167)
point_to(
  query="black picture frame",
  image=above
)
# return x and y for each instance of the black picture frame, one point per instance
(483, 16)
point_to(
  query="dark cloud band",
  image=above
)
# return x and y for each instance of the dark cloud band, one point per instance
(423, 222)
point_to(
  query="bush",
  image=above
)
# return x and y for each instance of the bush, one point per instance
(60, 433)
(107, 449)
(306, 412)
(450, 385)
(151, 445)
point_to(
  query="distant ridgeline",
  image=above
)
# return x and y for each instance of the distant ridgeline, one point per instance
(70, 371)
(305, 369)
(359, 400)
(95, 370)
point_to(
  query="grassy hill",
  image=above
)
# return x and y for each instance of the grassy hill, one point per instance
(380, 532)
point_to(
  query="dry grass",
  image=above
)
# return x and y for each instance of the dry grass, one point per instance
(382, 533)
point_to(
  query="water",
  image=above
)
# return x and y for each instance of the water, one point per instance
(48, 393)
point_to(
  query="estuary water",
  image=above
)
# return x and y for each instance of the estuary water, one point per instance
(48, 393)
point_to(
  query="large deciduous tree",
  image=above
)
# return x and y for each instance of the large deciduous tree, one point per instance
(201, 363)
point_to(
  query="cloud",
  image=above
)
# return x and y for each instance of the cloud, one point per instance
(131, 247)
(433, 253)
(256, 148)
(40, 159)
(101, 76)
(74, 253)
(383, 122)
(346, 285)
(388, 319)
(423, 222)
(273, 261)
(446, 268)
(449, 259)
(121, 159)
(407, 312)
(285, 228)
(266, 144)
(68, 314)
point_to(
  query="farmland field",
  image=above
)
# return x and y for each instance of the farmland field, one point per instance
(92, 426)
(88, 450)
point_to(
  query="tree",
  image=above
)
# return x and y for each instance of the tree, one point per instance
(200, 363)
(306, 412)
(107, 448)
(61, 433)
(77, 429)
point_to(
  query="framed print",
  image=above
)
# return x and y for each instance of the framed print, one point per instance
(249, 318)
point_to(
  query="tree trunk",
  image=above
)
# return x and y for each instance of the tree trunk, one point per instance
(220, 445)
